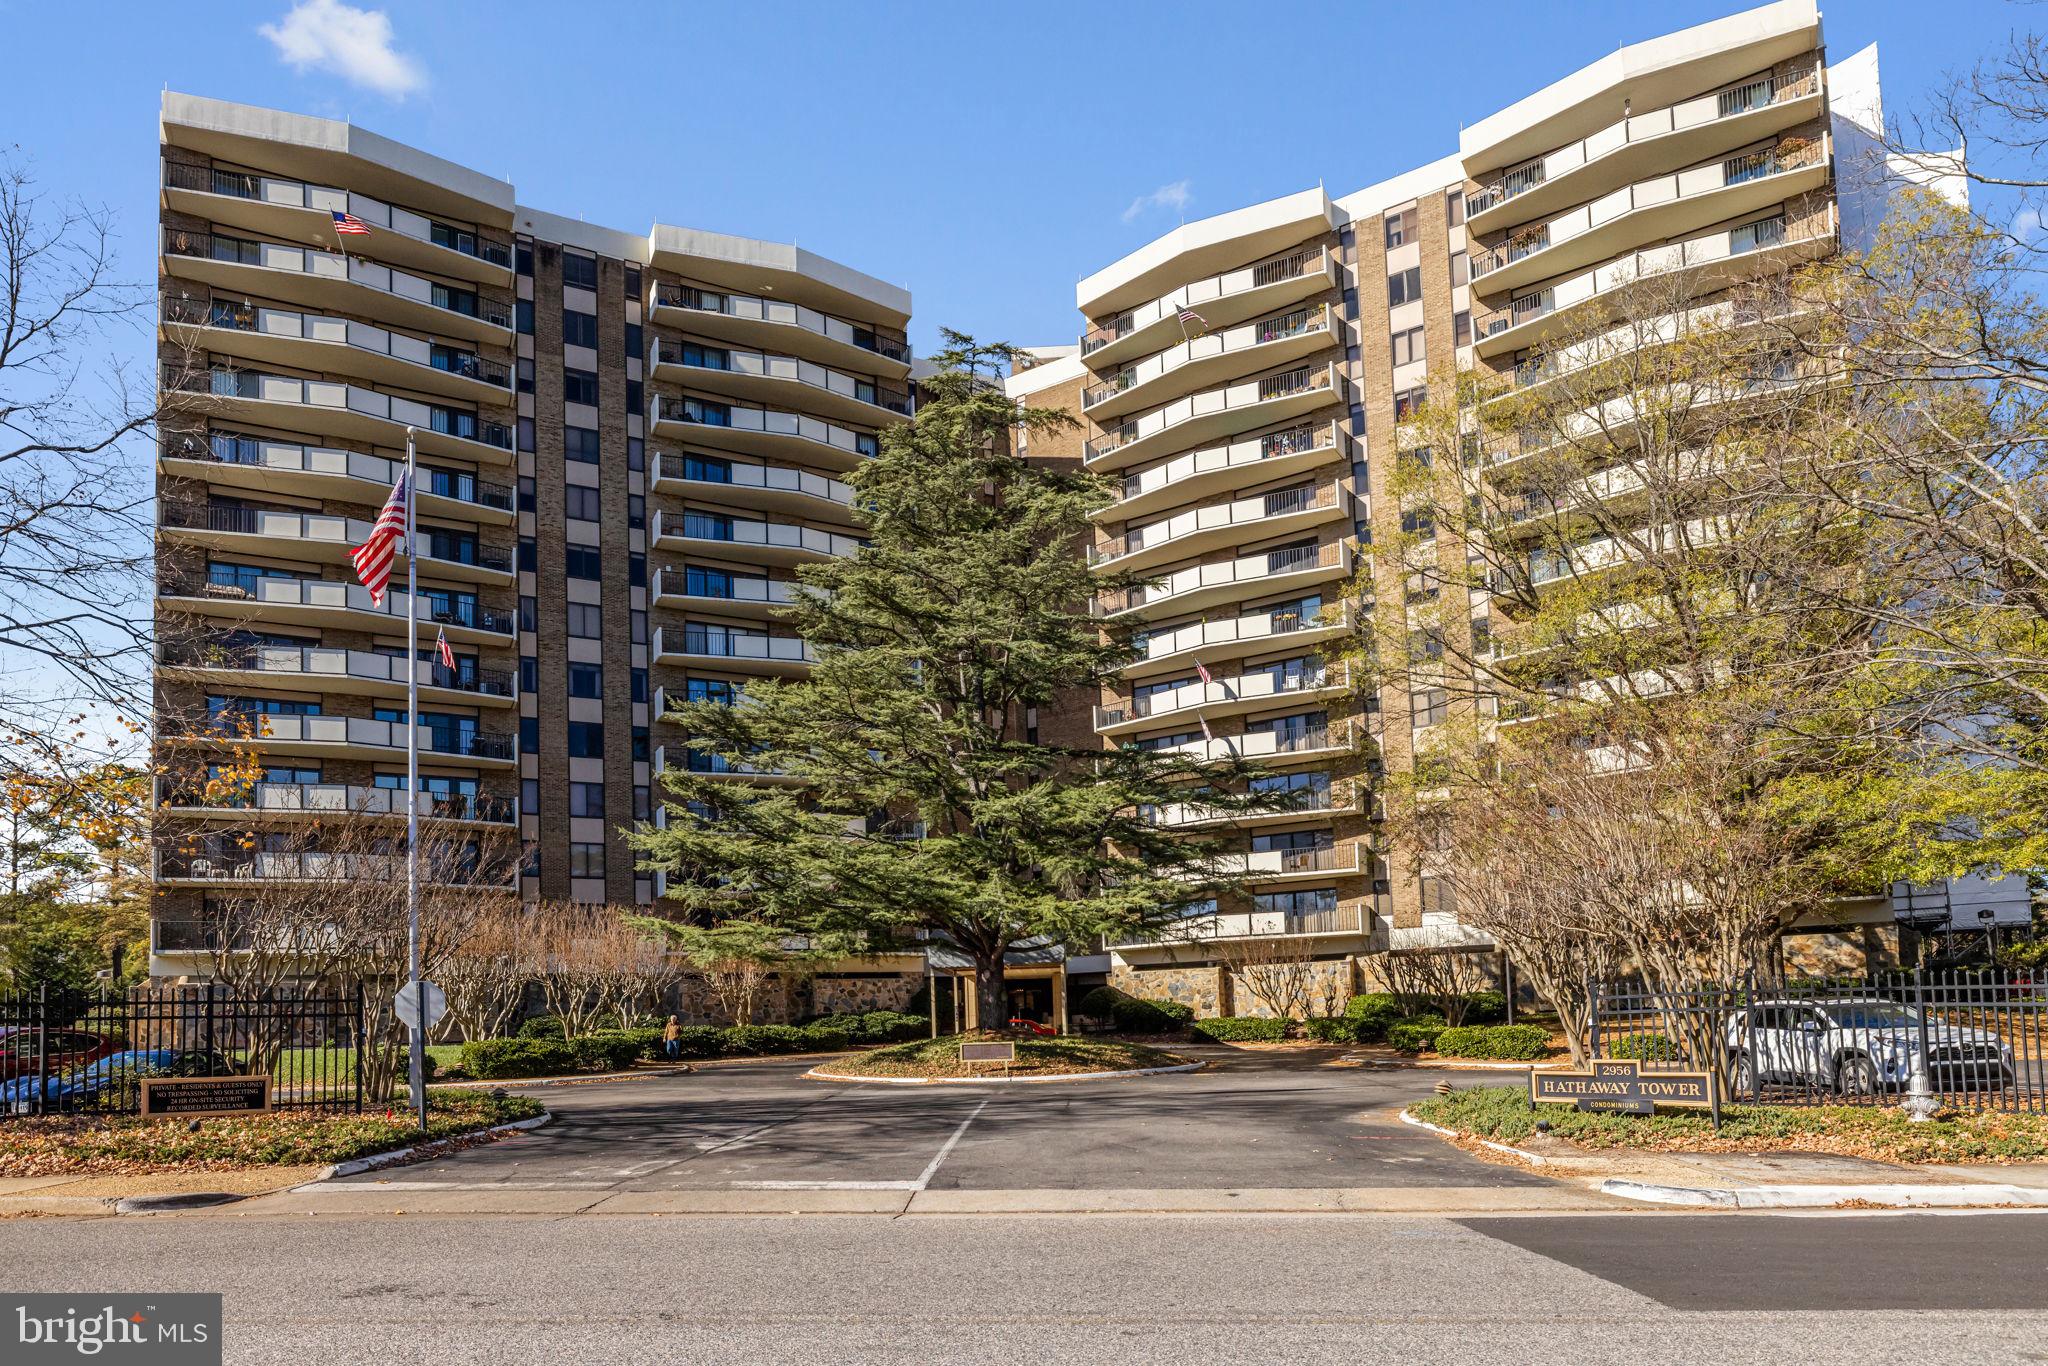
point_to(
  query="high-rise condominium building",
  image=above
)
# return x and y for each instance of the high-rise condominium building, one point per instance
(626, 444)
(1242, 376)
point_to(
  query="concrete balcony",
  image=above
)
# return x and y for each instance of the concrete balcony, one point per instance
(1271, 867)
(772, 380)
(1338, 798)
(1713, 260)
(739, 595)
(1657, 209)
(778, 324)
(1221, 469)
(262, 335)
(1262, 516)
(296, 211)
(1268, 747)
(762, 432)
(1741, 112)
(1207, 247)
(741, 538)
(317, 801)
(314, 279)
(771, 488)
(261, 465)
(731, 648)
(360, 737)
(1213, 414)
(324, 538)
(1220, 300)
(335, 670)
(1260, 690)
(1170, 649)
(1340, 922)
(335, 604)
(1211, 358)
(311, 866)
(1204, 585)
(714, 766)
(337, 410)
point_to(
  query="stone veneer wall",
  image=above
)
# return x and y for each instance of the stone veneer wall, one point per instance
(1205, 990)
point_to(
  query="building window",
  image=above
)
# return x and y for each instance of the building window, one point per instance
(586, 740)
(636, 342)
(1401, 227)
(1438, 896)
(529, 795)
(640, 744)
(1461, 269)
(525, 317)
(1454, 207)
(579, 272)
(636, 453)
(639, 685)
(1418, 521)
(582, 503)
(636, 511)
(526, 552)
(529, 674)
(586, 860)
(526, 434)
(586, 622)
(642, 803)
(529, 735)
(523, 259)
(579, 386)
(636, 571)
(1408, 346)
(586, 799)
(579, 329)
(1430, 706)
(638, 622)
(579, 444)
(586, 680)
(1461, 328)
(526, 492)
(529, 610)
(632, 282)
(1404, 288)
(636, 397)
(525, 373)
(1409, 402)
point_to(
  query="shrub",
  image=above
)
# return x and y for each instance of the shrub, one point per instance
(1517, 1043)
(892, 1026)
(1134, 1016)
(694, 1041)
(1370, 1012)
(428, 1066)
(824, 1038)
(754, 1040)
(1416, 1033)
(1333, 1030)
(541, 1027)
(490, 1059)
(1485, 1007)
(1239, 1029)
(1100, 1003)
(1643, 1048)
(612, 1050)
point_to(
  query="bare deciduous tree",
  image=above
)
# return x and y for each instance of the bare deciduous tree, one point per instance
(1281, 974)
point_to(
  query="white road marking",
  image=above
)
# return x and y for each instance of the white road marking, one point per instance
(923, 1180)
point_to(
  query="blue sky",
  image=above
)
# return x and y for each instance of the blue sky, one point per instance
(984, 155)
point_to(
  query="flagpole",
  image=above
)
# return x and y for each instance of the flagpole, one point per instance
(417, 1073)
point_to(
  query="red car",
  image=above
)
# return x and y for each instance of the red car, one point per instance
(1034, 1026)
(68, 1049)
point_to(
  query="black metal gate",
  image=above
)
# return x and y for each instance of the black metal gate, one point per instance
(1975, 1036)
(70, 1052)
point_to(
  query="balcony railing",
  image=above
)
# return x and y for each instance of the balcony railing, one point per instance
(1293, 266)
(672, 582)
(343, 798)
(1241, 512)
(329, 265)
(1298, 322)
(224, 383)
(324, 662)
(260, 452)
(1247, 569)
(693, 412)
(302, 865)
(667, 295)
(718, 642)
(322, 528)
(445, 741)
(742, 475)
(239, 316)
(1759, 92)
(1255, 686)
(1302, 380)
(759, 365)
(337, 595)
(292, 194)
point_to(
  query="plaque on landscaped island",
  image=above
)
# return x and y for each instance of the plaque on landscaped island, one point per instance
(988, 1052)
(188, 1097)
(1621, 1085)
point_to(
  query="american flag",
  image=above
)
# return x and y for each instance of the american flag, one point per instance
(373, 557)
(350, 224)
(1188, 315)
(442, 648)
(1203, 672)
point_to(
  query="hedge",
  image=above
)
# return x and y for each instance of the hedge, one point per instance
(1642, 1047)
(1131, 1015)
(1415, 1034)
(1485, 1007)
(1333, 1030)
(1239, 1029)
(1370, 1013)
(490, 1059)
(876, 1026)
(541, 1027)
(1516, 1043)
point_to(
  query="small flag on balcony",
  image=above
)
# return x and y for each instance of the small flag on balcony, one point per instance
(373, 557)
(350, 224)
(1207, 734)
(1188, 315)
(1203, 672)
(441, 648)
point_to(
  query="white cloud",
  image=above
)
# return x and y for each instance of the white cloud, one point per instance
(354, 44)
(2026, 226)
(1174, 196)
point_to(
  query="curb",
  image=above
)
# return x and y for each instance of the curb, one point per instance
(1519, 1154)
(572, 1079)
(357, 1165)
(171, 1203)
(1439, 1065)
(1974, 1195)
(816, 1075)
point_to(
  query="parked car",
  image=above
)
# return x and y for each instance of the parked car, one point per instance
(110, 1074)
(1859, 1046)
(67, 1049)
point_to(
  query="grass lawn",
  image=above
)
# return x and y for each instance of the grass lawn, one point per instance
(1036, 1056)
(77, 1145)
(1502, 1113)
(336, 1066)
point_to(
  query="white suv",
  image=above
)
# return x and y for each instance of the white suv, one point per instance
(1859, 1046)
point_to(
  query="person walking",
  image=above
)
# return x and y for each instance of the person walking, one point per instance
(672, 1039)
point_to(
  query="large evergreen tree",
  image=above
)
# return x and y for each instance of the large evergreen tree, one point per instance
(923, 801)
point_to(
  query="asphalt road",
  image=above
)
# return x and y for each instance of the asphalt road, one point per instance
(1218, 1289)
(1267, 1120)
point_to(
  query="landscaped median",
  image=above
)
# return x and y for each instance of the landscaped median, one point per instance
(1038, 1057)
(125, 1145)
(1501, 1114)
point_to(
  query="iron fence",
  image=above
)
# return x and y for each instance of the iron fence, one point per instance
(71, 1052)
(1980, 1037)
